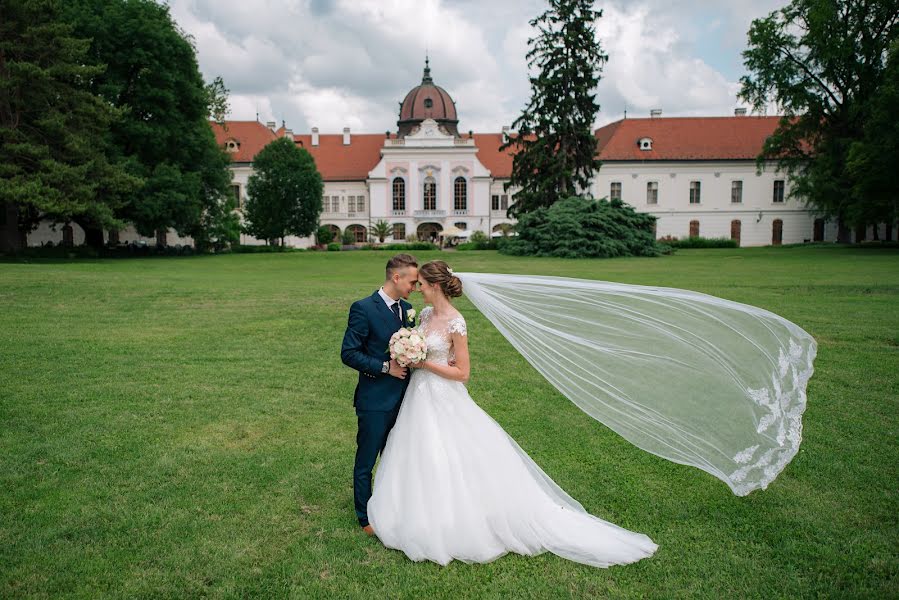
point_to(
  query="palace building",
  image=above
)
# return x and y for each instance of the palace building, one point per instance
(429, 179)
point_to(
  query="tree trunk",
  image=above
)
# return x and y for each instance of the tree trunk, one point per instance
(11, 239)
(876, 237)
(844, 235)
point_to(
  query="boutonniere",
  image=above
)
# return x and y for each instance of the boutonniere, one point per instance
(410, 316)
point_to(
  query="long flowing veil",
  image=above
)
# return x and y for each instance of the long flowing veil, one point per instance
(693, 378)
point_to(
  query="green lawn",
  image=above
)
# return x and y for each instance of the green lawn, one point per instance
(184, 427)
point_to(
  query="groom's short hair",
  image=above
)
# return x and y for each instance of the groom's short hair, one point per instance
(400, 261)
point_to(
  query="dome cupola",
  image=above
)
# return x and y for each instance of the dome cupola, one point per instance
(427, 101)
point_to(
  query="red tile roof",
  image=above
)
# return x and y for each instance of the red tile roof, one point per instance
(673, 138)
(686, 138)
(337, 162)
(251, 135)
(498, 163)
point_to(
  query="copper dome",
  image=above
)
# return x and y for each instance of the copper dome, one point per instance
(427, 101)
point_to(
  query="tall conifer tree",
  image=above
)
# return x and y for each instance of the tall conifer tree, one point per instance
(555, 150)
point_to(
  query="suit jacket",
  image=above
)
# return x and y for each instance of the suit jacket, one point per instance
(365, 348)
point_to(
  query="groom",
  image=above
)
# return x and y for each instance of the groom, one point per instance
(382, 382)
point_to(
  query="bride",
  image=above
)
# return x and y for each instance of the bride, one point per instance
(452, 484)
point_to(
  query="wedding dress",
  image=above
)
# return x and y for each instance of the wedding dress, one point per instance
(452, 484)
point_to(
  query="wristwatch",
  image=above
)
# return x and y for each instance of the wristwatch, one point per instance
(385, 368)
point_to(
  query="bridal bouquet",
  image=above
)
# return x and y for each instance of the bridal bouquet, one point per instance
(407, 347)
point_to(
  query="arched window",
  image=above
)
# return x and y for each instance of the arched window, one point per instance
(461, 225)
(358, 232)
(399, 194)
(430, 194)
(735, 228)
(694, 228)
(777, 232)
(460, 194)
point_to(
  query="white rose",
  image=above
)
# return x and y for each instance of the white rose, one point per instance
(411, 313)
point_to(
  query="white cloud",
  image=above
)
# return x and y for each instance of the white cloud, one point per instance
(349, 62)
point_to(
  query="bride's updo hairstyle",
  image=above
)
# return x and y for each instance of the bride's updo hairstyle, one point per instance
(439, 272)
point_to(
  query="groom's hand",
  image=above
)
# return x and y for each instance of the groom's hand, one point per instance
(396, 370)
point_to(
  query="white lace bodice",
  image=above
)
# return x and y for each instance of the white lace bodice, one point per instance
(438, 334)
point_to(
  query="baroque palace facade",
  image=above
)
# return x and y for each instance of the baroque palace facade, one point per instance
(698, 175)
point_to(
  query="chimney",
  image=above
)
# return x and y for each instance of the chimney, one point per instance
(288, 133)
(656, 112)
(270, 125)
(315, 136)
(505, 132)
(739, 112)
(346, 136)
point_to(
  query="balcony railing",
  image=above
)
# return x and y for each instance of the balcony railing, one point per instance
(429, 214)
(460, 212)
(343, 215)
(398, 213)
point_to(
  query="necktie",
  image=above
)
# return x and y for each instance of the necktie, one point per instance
(395, 307)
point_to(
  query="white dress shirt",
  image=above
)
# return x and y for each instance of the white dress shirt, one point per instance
(390, 302)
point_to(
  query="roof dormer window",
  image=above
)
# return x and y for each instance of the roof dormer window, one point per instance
(232, 146)
(645, 143)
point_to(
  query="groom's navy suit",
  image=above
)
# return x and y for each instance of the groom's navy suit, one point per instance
(378, 395)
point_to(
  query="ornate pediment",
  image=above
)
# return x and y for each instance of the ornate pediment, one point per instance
(429, 133)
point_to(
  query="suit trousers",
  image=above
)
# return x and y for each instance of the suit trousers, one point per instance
(374, 426)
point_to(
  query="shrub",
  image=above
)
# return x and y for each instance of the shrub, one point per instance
(478, 237)
(584, 227)
(699, 242)
(324, 236)
(410, 246)
(253, 249)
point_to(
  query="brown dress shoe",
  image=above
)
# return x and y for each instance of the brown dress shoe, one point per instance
(367, 529)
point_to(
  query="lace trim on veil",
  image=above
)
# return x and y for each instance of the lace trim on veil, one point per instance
(693, 378)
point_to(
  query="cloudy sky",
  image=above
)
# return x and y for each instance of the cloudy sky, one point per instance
(348, 63)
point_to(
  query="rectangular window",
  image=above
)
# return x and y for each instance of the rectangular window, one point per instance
(504, 202)
(494, 202)
(615, 191)
(736, 192)
(652, 192)
(235, 189)
(778, 190)
(360, 203)
(399, 231)
(694, 192)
